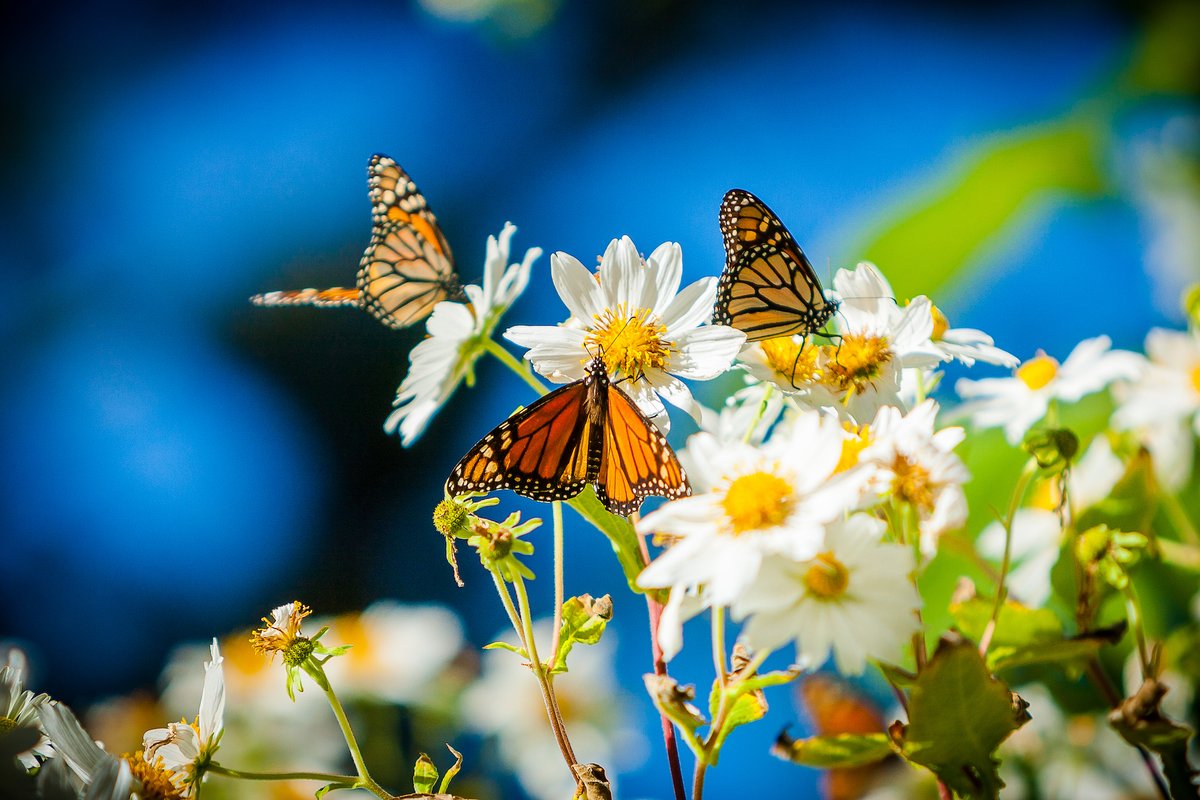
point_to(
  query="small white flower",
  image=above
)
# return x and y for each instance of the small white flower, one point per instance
(752, 503)
(183, 750)
(879, 339)
(1017, 403)
(1037, 531)
(1163, 404)
(917, 465)
(90, 767)
(633, 315)
(856, 598)
(447, 357)
(19, 707)
(747, 416)
(505, 703)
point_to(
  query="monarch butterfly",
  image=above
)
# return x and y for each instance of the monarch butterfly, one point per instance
(407, 268)
(768, 288)
(585, 432)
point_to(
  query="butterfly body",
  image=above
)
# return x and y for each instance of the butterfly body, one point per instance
(768, 287)
(587, 432)
(406, 270)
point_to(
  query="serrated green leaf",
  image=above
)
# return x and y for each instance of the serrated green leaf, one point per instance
(617, 530)
(834, 752)
(958, 715)
(425, 774)
(1016, 625)
(583, 622)
(747, 706)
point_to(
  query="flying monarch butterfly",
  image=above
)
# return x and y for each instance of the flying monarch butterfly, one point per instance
(588, 431)
(407, 268)
(768, 288)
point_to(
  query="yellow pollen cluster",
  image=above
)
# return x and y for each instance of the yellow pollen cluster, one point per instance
(827, 578)
(911, 484)
(857, 361)
(629, 342)
(1038, 371)
(791, 360)
(156, 781)
(852, 445)
(940, 323)
(279, 635)
(1195, 376)
(758, 500)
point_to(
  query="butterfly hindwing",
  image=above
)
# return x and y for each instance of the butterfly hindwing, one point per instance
(585, 432)
(768, 287)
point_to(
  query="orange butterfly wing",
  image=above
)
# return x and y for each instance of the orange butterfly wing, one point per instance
(407, 268)
(585, 432)
(768, 288)
(636, 461)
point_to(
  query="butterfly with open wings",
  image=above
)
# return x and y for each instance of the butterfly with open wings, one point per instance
(768, 288)
(406, 270)
(587, 432)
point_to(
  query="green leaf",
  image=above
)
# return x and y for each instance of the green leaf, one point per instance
(583, 622)
(512, 648)
(958, 715)
(425, 774)
(1016, 625)
(619, 532)
(1060, 651)
(450, 773)
(332, 787)
(746, 707)
(834, 752)
(770, 679)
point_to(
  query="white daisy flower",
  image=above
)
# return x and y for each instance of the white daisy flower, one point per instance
(879, 339)
(1163, 404)
(855, 598)
(1017, 403)
(1037, 531)
(917, 465)
(747, 416)
(183, 750)
(751, 504)
(80, 763)
(456, 333)
(633, 315)
(19, 707)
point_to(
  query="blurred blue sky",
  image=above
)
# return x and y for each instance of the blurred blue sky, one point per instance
(176, 462)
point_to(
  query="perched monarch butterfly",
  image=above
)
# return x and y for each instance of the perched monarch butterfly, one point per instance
(585, 432)
(768, 288)
(407, 268)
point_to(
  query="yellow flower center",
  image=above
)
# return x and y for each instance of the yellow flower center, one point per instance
(827, 578)
(157, 783)
(911, 484)
(852, 445)
(1195, 376)
(791, 360)
(857, 362)
(1038, 371)
(629, 343)
(940, 323)
(758, 500)
(7, 724)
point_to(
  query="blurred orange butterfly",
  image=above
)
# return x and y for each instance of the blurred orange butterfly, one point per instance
(407, 268)
(768, 288)
(587, 432)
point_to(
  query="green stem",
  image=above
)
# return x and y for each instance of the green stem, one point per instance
(1179, 518)
(718, 643)
(556, 513)
(1001, 588)
(1133, 609)
(509, 360)
(762, 410)
(327, 777)
(365, 781)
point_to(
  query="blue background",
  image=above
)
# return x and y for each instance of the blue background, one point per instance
(174, 462)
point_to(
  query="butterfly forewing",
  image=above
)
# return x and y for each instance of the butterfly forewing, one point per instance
(768, 287)
(636, 462)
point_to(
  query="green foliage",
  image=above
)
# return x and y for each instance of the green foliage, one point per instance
(425, 775)
(675, 703)
(743, 705)
(834, 752)
(583, 622)
(958, 715)
(619, 532)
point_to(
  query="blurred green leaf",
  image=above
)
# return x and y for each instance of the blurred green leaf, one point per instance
(834, 752)
(583, 622)
(619, 532)
(1016, 625)
(425, 774)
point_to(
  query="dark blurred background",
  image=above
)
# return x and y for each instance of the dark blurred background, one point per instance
(174, 462)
